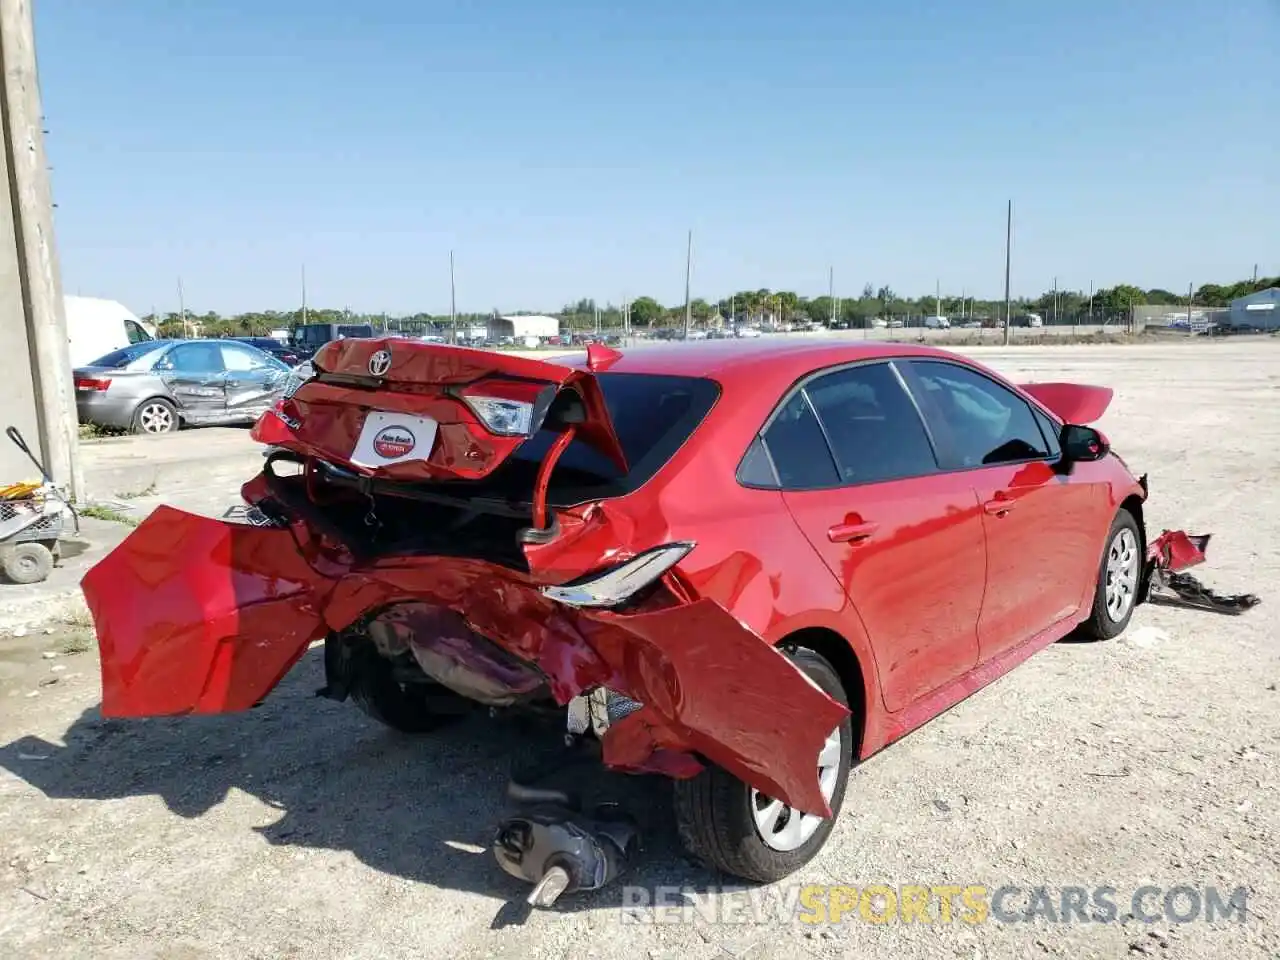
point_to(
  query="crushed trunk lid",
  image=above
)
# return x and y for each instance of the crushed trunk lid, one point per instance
(403, 410)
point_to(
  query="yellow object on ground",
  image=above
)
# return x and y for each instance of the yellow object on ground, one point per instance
(18, 491)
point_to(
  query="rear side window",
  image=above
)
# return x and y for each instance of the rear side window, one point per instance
(119, 359)
(872, 425)
(984, 423)
(653, 415)
(798, 448)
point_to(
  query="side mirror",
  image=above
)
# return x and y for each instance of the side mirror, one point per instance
(1083, 444)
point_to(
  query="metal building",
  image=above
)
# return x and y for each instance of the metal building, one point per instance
(1259, 311)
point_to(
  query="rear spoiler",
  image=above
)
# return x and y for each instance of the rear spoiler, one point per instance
(1075, 403)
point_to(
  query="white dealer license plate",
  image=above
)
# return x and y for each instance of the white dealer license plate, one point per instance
(388, 438)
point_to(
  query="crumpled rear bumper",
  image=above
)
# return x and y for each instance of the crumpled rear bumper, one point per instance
(203, 616)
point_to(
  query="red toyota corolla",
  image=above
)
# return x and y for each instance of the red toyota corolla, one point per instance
(744, 565)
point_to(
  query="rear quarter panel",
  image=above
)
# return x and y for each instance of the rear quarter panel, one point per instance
(751, 557)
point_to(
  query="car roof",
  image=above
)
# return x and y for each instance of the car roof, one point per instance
(771, 356)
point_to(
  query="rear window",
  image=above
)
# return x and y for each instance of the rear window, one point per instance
(652, 416)
(118, 359)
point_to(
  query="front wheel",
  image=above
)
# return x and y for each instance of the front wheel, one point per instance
(1119, 576)
(734, 828)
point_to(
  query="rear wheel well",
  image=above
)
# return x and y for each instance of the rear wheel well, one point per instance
(836, 650)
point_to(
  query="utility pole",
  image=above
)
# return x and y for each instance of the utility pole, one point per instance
(1091, 303)
(304, 293)
(1055, 301)
(36, 390)
(453, 302)
(1255, 274)
(937, 298)
(1008, 259)
(1190, 296)
(182, 311)
(688, 271)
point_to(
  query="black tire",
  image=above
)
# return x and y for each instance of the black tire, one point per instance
(27, 563)
(713, 809)
(372, 686)
(1102, 624)
(158, 411)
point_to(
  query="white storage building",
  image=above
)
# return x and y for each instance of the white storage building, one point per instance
(521, 326)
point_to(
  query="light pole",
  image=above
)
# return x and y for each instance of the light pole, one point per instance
(453, 302)
(1008, 259)
(688, 270)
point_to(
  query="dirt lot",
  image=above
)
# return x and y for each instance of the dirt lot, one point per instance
(302, 830)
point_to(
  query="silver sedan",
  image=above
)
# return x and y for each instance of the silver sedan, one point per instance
(156, 385)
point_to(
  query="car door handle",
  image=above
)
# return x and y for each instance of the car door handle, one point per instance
(851, 532)
(999, 505)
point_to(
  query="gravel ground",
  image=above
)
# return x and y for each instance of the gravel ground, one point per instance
(301, 830)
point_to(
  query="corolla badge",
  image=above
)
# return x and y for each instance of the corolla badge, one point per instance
(380, 363)
(391, 443)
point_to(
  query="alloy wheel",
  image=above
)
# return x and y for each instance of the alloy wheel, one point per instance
(784, 828)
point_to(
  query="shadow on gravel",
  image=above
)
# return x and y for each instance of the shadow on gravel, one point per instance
(422, 808)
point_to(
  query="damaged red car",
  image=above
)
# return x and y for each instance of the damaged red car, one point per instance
(745, 565)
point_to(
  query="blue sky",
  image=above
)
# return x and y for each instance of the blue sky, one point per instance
(563, 147)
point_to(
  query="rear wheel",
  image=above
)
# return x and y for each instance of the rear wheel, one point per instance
(734, 828)
(156, 415)
(1116, 593)
(370, 681)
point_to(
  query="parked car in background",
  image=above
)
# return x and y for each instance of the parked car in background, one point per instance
(310, 337)
(281, 351)
(156, 386)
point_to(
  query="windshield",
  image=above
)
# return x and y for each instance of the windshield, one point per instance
(118, 359)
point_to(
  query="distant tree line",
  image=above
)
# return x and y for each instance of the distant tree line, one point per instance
(1065, 306)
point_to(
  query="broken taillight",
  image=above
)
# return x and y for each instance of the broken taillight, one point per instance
(511, 409)
(98, 384)
(617, 585)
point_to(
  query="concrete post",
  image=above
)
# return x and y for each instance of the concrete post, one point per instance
(35, 364)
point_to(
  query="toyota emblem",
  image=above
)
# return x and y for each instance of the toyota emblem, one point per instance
(380, 363)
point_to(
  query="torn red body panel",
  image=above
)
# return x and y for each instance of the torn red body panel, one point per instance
(232, 607)
(1175, 550)
(1076, 403)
